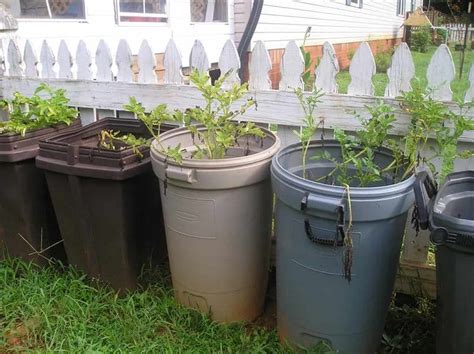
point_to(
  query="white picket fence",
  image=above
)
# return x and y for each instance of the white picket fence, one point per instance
(457, 32)
(101, 87)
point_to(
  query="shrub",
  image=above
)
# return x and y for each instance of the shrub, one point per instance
(420, 40)
(442, 34)
(382, 61)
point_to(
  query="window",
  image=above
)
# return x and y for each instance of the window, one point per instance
(357, 3)
(209, 10)
(401, 7)
(54, 9)
(142, 11)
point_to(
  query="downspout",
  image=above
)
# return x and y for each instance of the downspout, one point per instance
(248, 33)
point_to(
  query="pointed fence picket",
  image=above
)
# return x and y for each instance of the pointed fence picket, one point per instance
(325, 74)
(292, 67)
(31, 61)
(93, 88)
(64, 61)
(47, 61)
(198, 58)
(124, 62)
(146, 64)
(173, 63)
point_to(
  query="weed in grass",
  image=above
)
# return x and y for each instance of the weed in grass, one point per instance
(410, 326)
(58, 309)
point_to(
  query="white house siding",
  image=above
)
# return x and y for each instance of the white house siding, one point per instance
(332, 20)
(242, 10)
(100, 24)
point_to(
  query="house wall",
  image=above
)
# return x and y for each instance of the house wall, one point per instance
(100, 24)
(242, 9)
(331, 20)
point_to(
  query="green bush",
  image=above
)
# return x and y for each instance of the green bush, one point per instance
(383, 61)
(420, 40)
(441, 33)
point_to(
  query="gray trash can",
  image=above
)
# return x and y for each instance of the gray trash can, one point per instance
(315, 302)
(450, 216)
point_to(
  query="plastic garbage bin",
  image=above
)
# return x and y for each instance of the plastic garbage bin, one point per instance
(450, 216)
(218, 216)
(315, 300)
(28, 227)
(107, 202)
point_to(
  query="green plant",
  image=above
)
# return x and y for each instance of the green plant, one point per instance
(217, 117)
(308, 103)
(383, 60)
(153, 122)
(308, 62)
(433, 119)
(108, 140)
(351, 53)
(410, 326)
(420, 40)
(442, 34)
(31, 113)
(357, 166)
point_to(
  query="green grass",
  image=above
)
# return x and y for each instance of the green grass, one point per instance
(59, 310)
(421, 60)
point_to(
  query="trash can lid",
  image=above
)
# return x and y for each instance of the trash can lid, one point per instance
(78, 152)
(452, 217)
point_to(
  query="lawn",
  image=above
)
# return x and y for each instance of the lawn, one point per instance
(421, 60)
(58, 309)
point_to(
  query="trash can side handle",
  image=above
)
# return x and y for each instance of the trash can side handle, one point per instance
(326, 204)
(424, 189)
(180, 174)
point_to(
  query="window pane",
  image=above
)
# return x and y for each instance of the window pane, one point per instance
(155, 6)
(131, 6)
(208, 10)
(34, 8)
(67, 8)
(220, 11)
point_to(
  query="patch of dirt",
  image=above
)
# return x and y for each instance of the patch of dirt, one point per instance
(19, 337)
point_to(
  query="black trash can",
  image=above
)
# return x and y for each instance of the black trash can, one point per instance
(107, 202)
(449, 214)
(28, 227)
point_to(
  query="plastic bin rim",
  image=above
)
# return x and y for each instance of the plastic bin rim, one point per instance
(60, 165)
(337, 191)
(443, 220)
(31, 140)
(215, 163)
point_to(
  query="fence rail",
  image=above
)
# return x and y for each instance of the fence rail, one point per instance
(99, 86)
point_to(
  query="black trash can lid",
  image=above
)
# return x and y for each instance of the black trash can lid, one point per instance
(452, 217)
(16, 148)
(78, 152)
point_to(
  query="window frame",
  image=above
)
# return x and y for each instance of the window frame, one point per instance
(209, 23)
(52, 19)
(355, 3)
(119, 14)
(401, 8)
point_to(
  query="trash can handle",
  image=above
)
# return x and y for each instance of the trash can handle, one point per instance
(180, 174)
(425, 189)
(328, 205)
